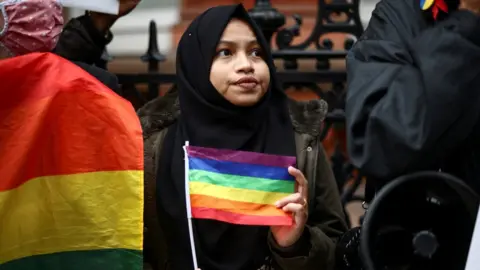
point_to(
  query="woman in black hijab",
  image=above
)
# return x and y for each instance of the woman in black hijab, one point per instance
(228, 97)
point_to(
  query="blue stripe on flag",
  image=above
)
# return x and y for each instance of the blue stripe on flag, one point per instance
(241, 169)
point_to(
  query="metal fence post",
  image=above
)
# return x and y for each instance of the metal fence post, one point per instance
(153, 57)
(267, 18)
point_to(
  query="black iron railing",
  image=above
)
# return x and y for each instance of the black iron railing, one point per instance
(332, 16)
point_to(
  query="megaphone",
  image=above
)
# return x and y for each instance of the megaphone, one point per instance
(421, 221)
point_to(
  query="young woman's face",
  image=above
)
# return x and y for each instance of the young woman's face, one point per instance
(238, 71)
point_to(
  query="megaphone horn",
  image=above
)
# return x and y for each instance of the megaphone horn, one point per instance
(421, 221)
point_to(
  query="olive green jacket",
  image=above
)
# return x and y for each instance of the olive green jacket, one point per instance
(326, 222)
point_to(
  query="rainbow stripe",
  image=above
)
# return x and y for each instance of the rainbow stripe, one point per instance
(71, 191)
(435, 5)
(239, 187)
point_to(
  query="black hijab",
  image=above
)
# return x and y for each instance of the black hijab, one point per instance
(209, 120)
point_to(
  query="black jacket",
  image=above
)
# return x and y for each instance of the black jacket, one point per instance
(413, 100)
(81, 43)
(102, 75)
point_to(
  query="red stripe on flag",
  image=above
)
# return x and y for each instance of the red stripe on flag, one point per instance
(82, 127)
(40, 75)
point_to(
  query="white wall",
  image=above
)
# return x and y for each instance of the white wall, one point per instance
(131, 31)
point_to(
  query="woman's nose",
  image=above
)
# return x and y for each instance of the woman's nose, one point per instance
(244, 64)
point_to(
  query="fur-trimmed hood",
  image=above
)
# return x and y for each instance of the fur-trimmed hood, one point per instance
(307, 116)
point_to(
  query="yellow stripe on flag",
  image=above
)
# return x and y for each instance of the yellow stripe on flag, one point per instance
(87, 211)
(235, 194)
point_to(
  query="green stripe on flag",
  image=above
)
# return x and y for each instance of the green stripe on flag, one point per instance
(244, 182)
(106, 259)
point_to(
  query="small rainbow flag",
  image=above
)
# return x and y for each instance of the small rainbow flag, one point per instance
(238, 187)
(71, 167)
(436, 5)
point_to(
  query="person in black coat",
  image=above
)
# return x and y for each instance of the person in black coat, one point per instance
(83, 43)
(84, 39)
(414, 91)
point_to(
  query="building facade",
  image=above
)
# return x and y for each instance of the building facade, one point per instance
(131, 32)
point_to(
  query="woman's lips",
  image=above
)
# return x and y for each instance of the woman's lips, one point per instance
(248, 86)
(247, 83)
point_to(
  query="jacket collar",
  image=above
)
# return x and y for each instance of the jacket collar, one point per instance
(306, 116)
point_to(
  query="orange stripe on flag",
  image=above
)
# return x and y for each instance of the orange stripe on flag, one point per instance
(234, 218)
(202, 201)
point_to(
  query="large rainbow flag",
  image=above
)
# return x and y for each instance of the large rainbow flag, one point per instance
(71, 170)
(238, 187)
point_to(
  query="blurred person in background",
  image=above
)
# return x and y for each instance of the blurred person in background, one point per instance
(36, 26)
(84, 39)
(414, 91)
(29, 26)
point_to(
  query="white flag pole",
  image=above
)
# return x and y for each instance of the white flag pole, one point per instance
(189, 208)
(473, 259)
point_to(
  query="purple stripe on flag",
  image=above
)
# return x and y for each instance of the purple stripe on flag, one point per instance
(241, 156)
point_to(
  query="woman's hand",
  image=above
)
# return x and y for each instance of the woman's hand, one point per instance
(297, 205)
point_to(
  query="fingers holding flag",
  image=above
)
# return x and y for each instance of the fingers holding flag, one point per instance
(294, 203)
(301, 181)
